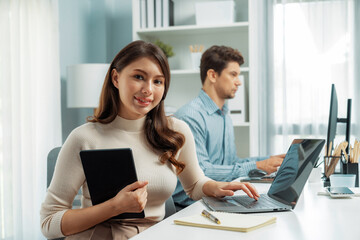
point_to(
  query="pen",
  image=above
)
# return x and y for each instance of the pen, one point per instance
(210, 216)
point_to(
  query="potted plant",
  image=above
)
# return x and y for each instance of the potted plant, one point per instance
(166, 48)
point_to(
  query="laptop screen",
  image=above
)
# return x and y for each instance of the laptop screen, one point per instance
(295, 170)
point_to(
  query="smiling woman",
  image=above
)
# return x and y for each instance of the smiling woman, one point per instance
(141, 87)
(136, 85)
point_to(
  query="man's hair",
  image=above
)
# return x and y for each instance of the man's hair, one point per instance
(217, 58)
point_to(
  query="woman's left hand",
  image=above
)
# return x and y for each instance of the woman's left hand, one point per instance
(222, 189)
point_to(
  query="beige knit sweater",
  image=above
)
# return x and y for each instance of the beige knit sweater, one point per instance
(121, 133)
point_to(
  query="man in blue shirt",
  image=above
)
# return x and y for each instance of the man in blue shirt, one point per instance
(209, 120)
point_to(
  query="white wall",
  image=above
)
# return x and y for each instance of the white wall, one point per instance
(91, 31)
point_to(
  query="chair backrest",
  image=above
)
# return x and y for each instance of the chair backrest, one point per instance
(169, 207)
(51, 161)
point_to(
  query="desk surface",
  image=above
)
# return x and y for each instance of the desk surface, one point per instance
(314, 217)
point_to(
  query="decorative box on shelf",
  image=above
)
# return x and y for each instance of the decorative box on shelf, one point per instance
(214, 12)
(237, 104)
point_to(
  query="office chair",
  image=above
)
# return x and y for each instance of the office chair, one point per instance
(51, 161)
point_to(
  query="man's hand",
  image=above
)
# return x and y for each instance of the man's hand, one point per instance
(271, 164)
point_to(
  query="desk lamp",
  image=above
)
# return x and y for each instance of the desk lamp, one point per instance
(84, 83)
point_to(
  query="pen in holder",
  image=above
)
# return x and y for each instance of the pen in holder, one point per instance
(347, 168)
(352, 166)
(330, 163)
(349, 160)
(195, 53)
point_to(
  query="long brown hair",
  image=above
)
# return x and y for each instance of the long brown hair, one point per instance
(158, 133)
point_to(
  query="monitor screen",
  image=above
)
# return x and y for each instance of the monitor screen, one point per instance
(332, 120)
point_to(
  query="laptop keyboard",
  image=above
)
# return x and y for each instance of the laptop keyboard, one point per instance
(264, 202)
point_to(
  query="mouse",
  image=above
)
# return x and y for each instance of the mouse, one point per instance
(257, 173)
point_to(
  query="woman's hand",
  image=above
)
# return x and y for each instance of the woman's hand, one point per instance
(222, 189)
(131, 198)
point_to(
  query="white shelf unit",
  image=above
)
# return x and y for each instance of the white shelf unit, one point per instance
(185, 81)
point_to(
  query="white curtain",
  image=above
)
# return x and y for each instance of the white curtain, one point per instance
(29, 111)
(311, 46)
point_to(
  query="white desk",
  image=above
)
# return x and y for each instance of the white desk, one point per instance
(314, 217)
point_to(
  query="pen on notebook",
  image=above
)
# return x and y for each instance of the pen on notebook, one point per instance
(210, 216)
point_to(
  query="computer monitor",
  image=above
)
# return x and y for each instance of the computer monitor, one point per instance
(333, 120)
(331, 132)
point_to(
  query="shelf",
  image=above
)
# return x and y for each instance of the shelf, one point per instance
(245, 124)
(195, 29)
(182, 72)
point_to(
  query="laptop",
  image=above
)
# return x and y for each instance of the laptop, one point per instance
(264, 179)
(269, 178)
(286, 187)
(107, 171)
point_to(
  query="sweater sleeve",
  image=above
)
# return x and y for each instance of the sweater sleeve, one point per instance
(67, 179)
(192, 177)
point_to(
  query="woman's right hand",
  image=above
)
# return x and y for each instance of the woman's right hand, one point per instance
(131, 198)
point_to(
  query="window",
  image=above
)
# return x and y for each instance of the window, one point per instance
(313, 48)
(2, 219)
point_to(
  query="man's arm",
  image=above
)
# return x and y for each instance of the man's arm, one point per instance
(215, 171)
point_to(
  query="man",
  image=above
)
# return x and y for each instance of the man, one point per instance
(209, 120)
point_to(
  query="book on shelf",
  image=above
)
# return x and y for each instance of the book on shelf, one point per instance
(168, 13)
(158, 13)
(143, 14)
(150, 13)
(228, 221)
(237, 104)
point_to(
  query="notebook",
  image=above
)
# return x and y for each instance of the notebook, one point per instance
(107, 171)
(286, 187)
(229, 221)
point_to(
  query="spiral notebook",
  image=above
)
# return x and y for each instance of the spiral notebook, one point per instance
(229, 221)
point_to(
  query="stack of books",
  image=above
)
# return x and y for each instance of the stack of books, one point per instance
(156, 13)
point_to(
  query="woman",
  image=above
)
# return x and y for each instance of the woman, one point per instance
(130, 115)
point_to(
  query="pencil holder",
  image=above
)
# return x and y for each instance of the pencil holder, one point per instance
(330, 163)
(352, 168)
(195, 60)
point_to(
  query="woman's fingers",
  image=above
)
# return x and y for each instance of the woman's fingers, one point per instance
(132, 198)
(229, 188)
(135, 185)
(250, 191)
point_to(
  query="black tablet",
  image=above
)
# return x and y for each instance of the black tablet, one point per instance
(107, 171)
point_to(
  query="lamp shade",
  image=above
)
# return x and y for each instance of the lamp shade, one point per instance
(84, 83)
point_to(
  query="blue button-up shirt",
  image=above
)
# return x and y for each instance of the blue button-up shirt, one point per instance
(215, 143)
